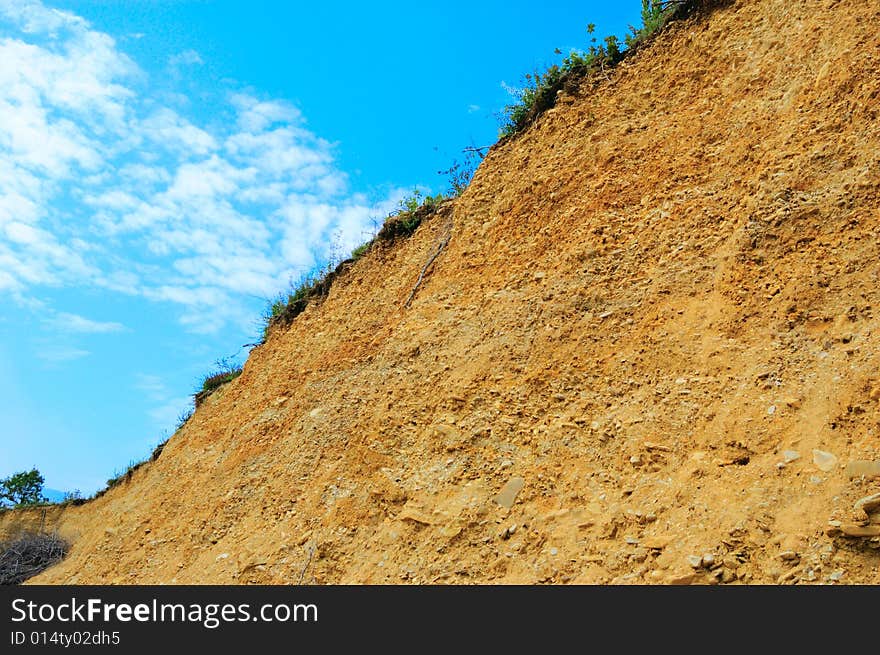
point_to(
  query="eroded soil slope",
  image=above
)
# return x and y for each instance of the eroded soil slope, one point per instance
(653, 307)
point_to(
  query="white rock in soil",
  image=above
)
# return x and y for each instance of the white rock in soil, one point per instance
(823, 460)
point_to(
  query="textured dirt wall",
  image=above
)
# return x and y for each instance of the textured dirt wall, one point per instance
(654, 307)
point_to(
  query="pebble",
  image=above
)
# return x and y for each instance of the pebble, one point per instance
(658, 542)
(851, 530)
(709, 560)
(632, 541)
(836, 575)
(639, 555)
(450, 437)
(823, 460)
(686, 579)
(695, 561)
(790, 456)
(635, 460)
(554, 551)
(788, 575)
(868, 503)
(788, 555)
(864, 468)
(507, 496)
(771, 410)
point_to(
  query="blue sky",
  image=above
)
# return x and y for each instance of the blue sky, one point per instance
(168, 167)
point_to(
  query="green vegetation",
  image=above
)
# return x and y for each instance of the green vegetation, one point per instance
(74, 497)
(23, 489)
(225, 371)
(217, 379)
(119, 478)
(541, 88)
(184, 417)
(539, 95)
(361, 250)
(402, 222)
(157, 451)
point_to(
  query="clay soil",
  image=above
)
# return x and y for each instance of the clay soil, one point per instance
(654, 306)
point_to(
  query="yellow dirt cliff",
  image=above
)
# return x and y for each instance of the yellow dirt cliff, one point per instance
(648, 353)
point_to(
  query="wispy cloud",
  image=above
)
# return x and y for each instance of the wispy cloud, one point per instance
(74, 323)
(60, 354)
(185, 58)
(151, 385)
(167, 409)
(170, 412)
(102, 185)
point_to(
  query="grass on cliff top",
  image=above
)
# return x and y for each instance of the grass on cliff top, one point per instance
(541, 88)
(538, 95)
(401, 223)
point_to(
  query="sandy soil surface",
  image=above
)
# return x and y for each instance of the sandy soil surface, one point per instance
(647, 355)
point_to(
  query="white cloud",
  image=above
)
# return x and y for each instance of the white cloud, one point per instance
(103, 185)
(34, 17)
(66, 322)
(256, 116)
(185, 58)
(168, 414)
(141, 175)
(167, 409)
(167, 129)
(61, 354)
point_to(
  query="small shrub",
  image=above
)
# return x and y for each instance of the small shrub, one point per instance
(28, 555)
(225, 372)
(157, 451)
(217, 380)
(460, 174)
(361, 250)
(288, 305)
(184, 417)
(411, 211)
(74, 497)
(125, 476)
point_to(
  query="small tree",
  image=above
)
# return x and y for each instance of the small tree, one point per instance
(23, 488)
